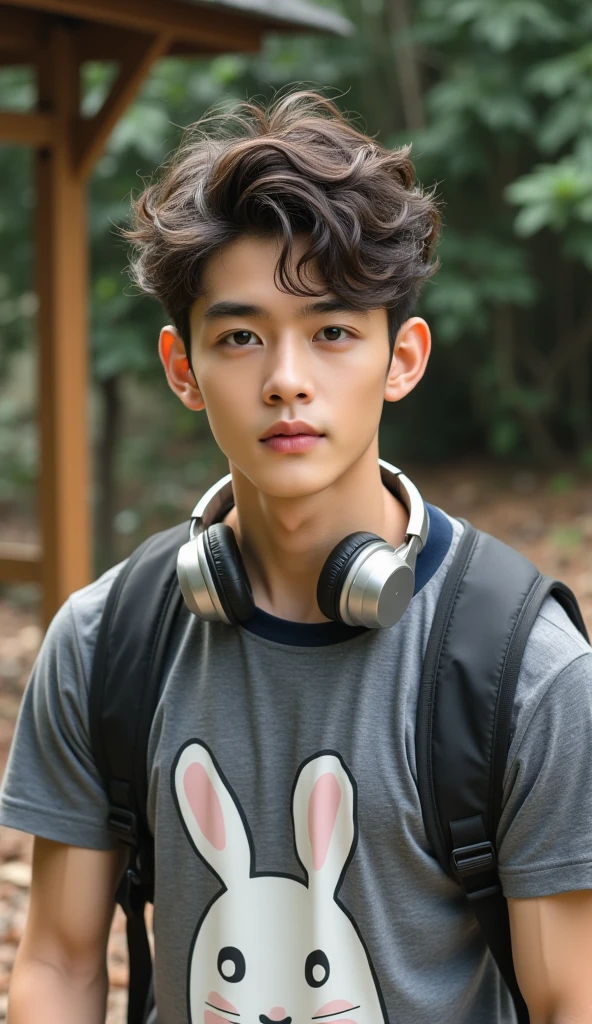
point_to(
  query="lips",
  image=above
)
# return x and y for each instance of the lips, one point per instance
(289, 428)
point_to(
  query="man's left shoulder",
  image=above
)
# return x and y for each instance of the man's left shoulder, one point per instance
(554, 650)
(543, 836)
(554, 639)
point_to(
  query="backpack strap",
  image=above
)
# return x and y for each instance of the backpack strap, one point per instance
(488, 605)
(141, 608)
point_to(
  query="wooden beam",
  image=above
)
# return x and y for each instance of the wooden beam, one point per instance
(20, 563)
(100, 42)
(61, 254)
(230, 30)
(13, 58)
(19, 29)
(26, 129)
(92, 133)
(180, 48)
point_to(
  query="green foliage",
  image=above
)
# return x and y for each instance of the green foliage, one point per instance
(508, 136)
(561, 483)
(559, 197)
(477, 273)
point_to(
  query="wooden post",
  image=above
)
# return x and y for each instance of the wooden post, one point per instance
(61, 248)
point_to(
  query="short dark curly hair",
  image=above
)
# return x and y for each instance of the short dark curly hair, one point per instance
(294, 166)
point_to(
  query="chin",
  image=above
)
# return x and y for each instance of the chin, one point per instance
(289, 481)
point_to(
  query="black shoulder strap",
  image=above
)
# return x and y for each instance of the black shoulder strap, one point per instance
(137, 620)
(487, 607)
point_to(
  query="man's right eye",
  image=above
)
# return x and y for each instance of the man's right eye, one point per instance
(240, 337)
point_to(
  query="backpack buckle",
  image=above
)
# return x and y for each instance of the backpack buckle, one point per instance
(130, 893)
(123, 824)
(474, 859)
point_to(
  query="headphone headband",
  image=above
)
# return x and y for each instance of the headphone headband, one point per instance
(219, 499)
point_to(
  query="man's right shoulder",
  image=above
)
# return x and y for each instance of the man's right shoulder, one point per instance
(51, 786)
(84, 609)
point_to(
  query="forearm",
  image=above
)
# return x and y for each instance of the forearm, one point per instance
(41, 993)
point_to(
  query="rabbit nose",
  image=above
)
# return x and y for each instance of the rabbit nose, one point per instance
(277, 1016)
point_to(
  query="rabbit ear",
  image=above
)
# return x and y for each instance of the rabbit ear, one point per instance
(324, 819)
(211, 814)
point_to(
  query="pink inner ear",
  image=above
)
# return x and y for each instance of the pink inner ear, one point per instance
(323, 806)
(205, 804)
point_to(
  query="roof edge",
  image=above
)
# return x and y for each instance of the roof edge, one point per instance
(287, 15)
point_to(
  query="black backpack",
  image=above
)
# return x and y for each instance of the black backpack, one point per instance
(488, 604)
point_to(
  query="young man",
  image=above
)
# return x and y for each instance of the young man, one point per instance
(288, 250)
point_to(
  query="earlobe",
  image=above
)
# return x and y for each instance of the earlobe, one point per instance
(410, 357)
(176, 367)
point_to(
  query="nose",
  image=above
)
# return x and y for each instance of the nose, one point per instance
(288, 377)
(277, 1015)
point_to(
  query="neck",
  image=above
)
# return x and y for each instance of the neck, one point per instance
(285, 542)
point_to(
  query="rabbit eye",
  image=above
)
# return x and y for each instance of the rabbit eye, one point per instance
(316, 969)
(231, 964)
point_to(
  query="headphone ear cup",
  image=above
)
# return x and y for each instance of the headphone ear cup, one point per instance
(335, 570)
(228, 572)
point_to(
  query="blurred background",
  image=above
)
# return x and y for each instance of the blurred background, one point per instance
(496, 98)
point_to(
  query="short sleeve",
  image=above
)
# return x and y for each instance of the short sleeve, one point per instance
(545, 832)
(52, 787)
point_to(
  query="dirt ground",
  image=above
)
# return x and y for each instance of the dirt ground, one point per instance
(548, 518)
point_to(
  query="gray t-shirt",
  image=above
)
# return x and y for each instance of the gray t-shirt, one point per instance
(294, 881)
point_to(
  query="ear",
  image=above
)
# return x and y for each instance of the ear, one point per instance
(324, 820)
(410, 358)
(178, 372)
(211, 814)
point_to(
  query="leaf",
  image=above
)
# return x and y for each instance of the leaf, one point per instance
(564, 121)
(504, 435)
(532, 219)
(504, 25)
(228, 68)
(561, 483)
(507, 111)
(586, 457)
(18, 92)
(554, 77)
(578, 246)
(566, 536)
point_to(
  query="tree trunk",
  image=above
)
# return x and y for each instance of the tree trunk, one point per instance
(111, 399)
(579, 365)
(543, 445)
(407, 65)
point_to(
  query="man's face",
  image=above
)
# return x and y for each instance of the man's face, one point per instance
(277, 361)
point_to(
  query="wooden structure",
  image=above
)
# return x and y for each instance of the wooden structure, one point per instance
(56, 37)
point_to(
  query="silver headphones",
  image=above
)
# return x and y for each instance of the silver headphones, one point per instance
(364, 581)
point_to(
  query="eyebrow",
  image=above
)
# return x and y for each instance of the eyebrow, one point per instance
(220, 310)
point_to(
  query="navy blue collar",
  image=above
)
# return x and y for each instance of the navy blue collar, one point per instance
(321, 634)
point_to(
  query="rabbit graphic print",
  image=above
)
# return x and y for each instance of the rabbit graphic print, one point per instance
(271, 948)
